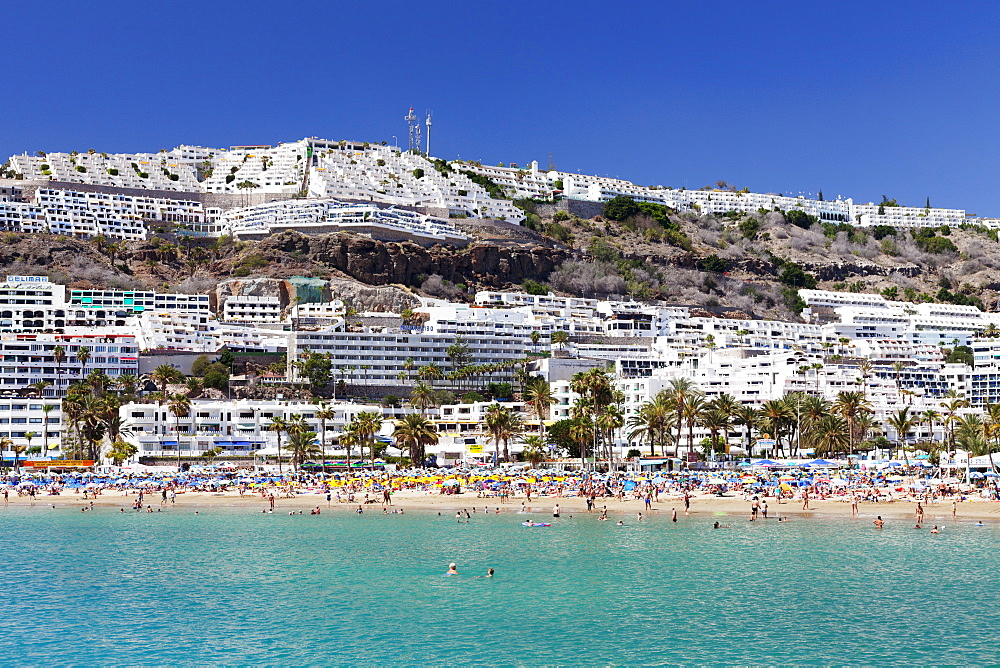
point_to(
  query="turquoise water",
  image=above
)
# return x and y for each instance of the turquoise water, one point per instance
(234, 586)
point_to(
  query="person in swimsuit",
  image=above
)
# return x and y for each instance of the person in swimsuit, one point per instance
(452, 569)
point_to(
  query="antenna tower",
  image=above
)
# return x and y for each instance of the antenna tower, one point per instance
(411, 120)
(428, 123)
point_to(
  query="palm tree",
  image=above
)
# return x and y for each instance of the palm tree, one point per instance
(324, 413)
(503, 425)
(849, 405)
(681, 390)
(422, 396)
(536, 336)
(46, 409)
(693, 408)
(7, 444)
(128, 383)
(865, 368)
(774, 417)
(651, 422)
(301, 443)
(297, 426)
(59, 355)
(82, 355)
(539, 394)
(746, 417)
(830, 435)
(39, 387)
(278, 425)
(180, 405)
(902, 422)
(534, 450)
(415, 432)
(930, 416)
(715, 420)
(953, 402)
(559, 338)
(430, 372)
(369, 423)
(163, 375)
(582, 431)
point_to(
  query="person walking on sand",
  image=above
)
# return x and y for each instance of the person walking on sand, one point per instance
(805, 500)
(954, 509)
(763, 508)
(687, 502)
(754, 509)
(854, 505)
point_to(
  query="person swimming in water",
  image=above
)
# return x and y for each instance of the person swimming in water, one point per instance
(452, 569)
(489, 573)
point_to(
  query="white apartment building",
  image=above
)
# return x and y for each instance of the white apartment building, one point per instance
(252, 309)
(324, 215)
(32, 422)
(31, 303)
(97, 308)
(903, 217)
(175, 170)
(30, 358)
(377, 354)
(240, 427)
(197, 332)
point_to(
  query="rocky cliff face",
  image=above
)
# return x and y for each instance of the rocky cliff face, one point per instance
(382, 263)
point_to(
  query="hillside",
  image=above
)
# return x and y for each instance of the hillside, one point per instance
(749, 263)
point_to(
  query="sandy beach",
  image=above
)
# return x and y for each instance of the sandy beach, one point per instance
(703, 506)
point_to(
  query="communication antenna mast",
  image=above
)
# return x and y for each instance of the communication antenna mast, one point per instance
(428, 122)
(411, 120)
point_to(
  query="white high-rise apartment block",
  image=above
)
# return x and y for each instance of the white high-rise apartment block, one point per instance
(28, 359)
(239, 428)
(252, 309)
(377, 354)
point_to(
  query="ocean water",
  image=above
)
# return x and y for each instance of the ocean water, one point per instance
(233, 586)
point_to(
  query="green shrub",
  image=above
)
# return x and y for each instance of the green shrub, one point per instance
(230, 178)
(793, 275)
(81, 169)
(801, 219)
(713, 263)
(620, 208)
(749, 227)
(535, 287)
(882, 231)
(560, 216)
(559, 232)
(112, 171)
(418, 173)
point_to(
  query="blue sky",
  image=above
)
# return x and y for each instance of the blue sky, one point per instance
(860, 99)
